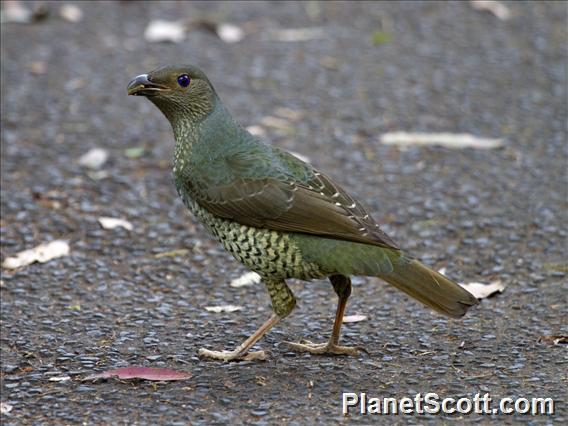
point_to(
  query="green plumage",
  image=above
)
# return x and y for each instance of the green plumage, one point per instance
(274, 213)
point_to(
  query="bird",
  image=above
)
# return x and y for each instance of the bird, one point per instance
(278, 215)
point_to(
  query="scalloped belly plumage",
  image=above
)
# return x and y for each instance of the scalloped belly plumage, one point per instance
(269, 253)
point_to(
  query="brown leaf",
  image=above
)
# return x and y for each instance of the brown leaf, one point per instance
(554, 340)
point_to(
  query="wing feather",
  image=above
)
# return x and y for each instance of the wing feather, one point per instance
(289, 196)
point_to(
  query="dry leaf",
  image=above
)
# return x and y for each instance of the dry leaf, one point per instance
(146, 373)
(554, 340)
(223, 308)
(42, 253)
(98, 174)
(483, 291)
(164, 31)
(71, 13)
(256, 130)
(5, 408)
(60, 379)
(354, 318)
(229, 33)
(135, 151)
(16, 12)
(329, 62)
(249, 278)
(447, 140)
(38, 67)
(172, 253)
(275, 122)
(497, 8)
(288, 113)
(94, 158)
(112, 222)
(297, 34)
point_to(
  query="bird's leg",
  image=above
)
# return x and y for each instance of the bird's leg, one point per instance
(241, 351)
(283, 302)
(342, 286)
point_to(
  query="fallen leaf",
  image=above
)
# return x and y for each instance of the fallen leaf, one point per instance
(172, 253)
(250, 278)
(276, 123)
(447, 140)
(354, 318)
(289, 113)
(15, 12)
(59, 379)
(256, 130)
(164, 31)
(98, 174)
(38, 67)
(112, 222)
(497, 8)
(5, 408)
(42, 253)
(483, 291)
(557, 267)
(134, 152)
(329, 62)
(230, 33)
(223, 308)
(553, 340)
(297, 34)
(94, 158)
(146, 373)
(380, 37)
(71, 13)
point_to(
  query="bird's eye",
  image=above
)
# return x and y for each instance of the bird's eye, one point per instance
(183, 80)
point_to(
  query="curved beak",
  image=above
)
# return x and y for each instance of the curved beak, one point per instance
(141, 86)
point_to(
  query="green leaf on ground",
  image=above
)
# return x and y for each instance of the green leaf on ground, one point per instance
(381, 37)
(134, 152)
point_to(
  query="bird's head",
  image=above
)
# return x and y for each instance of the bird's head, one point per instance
(179, 91)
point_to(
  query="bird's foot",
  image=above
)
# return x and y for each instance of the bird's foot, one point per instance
(232, 355)
(328, 348)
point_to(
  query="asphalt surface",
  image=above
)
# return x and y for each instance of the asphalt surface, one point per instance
(482, 214)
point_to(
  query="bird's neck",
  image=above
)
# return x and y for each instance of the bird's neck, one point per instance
(199, 141)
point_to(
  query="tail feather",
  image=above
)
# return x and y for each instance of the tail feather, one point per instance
(429, 287)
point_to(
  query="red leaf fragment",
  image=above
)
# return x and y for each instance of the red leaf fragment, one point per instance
(145, 373)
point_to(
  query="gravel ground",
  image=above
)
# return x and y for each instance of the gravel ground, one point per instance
(482, 214)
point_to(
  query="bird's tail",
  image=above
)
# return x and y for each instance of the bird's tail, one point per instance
(429, 287)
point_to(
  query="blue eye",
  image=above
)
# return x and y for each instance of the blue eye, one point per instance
(183, 80)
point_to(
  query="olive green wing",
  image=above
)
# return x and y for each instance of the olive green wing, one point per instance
(280, 192)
